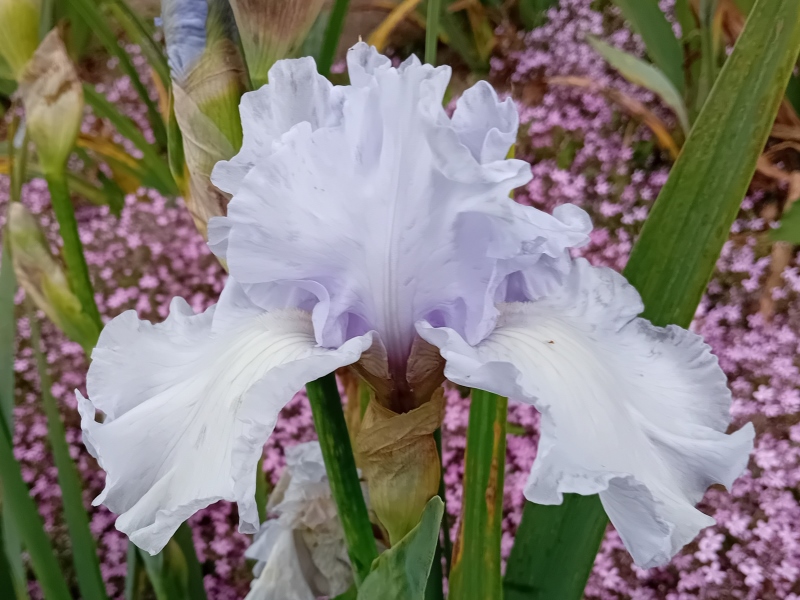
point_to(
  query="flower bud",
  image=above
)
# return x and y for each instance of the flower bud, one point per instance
(53, 98)
(19, 32)
(398, 455)
(272, 30)
(301, 550)
(208, 79)
(43, 279)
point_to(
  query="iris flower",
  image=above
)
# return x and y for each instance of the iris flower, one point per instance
(367, 227)
(301, 553)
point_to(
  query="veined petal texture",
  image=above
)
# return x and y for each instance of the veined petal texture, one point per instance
(379, 208)
(634, 412)
(189, 404)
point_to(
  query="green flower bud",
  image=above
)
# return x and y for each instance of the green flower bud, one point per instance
(272, 30)
(19, 32)
(43, 279)
(53, 98)
(208, 79)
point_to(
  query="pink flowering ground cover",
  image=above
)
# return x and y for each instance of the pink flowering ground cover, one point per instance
(584, 151)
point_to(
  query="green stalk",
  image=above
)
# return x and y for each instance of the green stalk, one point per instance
(77, 270)
(435, 588)
(432, 31)
(330, 42)
(334, 439)
(475, 574)
(84, 551)
(672, 263)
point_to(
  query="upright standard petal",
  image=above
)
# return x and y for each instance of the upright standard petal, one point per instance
(378, 206)
(189, 404)
(634, 412)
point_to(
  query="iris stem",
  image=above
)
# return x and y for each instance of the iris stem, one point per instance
(334, 439)
(77, 269)
(475, 573)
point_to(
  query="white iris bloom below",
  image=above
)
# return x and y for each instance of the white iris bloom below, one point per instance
(301, 553)
(363, 218)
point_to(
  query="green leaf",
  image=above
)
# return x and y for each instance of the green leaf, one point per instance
(90, 13)
(84, 551)
(334, 440)
(152, 162)
(77, 270)
(8, 332)
(672, 263)
(175, 572)
(789, 228)
(708, 52)
(19, 504)
(185, 541)
(543, 565)
(140, 34)
(401, 572)
(533, 13)
(662, 46)
(432, 30)
(136, 576)
(168, 572)
(12, 544)
(10, 548)
(641, 73)
(333, 31)
(7, 585)
(793, 93)
(475, 573)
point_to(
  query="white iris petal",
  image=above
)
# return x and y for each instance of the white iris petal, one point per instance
(633, 412)
(188, 408)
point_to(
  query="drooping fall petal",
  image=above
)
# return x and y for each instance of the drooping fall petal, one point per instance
(634, 412)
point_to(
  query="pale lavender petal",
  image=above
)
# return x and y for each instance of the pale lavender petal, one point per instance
(189, 404)
(386, 217)
(634, 412)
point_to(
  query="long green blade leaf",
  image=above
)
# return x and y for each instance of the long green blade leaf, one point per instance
(77, 269)
(641, 73)
(90, 13)
(139, 33)
(18, 502)
(10, 548)
(663, 47)
(326, 406)
(8, 332)
(333, 31)
(475, 573)
(153, 162)
(672, 263)
(84, 550)
(18, 159)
